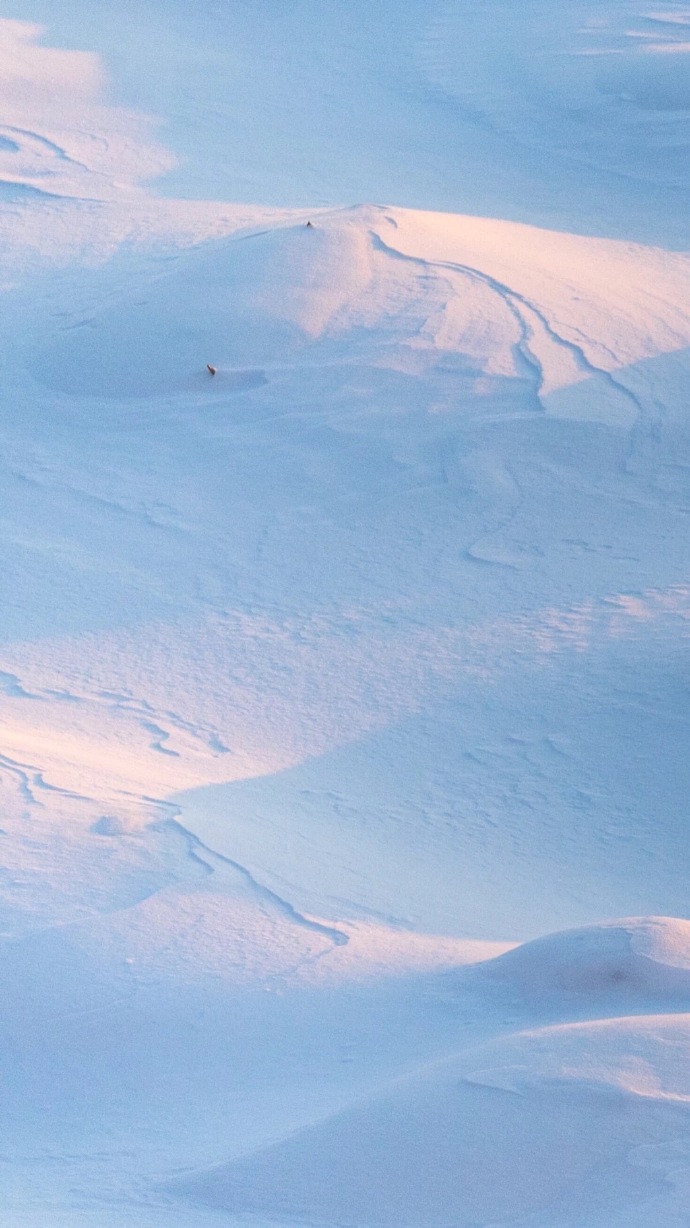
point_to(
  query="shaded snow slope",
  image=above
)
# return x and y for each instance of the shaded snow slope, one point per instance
(574, 120)
(525, 1147)
(570, 1123)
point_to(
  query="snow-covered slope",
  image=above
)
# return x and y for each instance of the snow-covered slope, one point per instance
(329, 678)
(560, 1124)
(413, 556)
(572, 119)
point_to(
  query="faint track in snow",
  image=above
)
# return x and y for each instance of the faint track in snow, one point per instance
(30, 777)
(151, 719)
(573, 347)
(21, 773)
(526, 357)
(36, 138)
(518, 304)
(200, 852)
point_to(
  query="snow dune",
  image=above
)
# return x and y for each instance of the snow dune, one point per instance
(343, 692)
(560, 1124)
(642, 957)
(489, 292)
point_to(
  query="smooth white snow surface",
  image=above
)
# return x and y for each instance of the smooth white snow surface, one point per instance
(344, 693)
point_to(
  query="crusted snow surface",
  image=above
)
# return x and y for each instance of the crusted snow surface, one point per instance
(343, 692)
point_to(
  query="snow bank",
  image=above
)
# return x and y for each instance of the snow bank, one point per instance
(637, 959)
(504, 300)
(558, 1125)
(562, 1122)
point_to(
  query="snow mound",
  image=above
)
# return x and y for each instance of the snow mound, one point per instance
(636, 956)
(237, 303)
(402, 288)
(538, 1123)
(645, 1056)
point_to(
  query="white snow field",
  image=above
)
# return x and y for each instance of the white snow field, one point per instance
(344, 691)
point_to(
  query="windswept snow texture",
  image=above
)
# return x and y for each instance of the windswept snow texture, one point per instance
(344, 691)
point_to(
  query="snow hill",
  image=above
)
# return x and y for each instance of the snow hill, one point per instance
(343, 691)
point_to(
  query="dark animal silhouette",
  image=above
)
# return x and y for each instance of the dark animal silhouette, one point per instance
(211, 369)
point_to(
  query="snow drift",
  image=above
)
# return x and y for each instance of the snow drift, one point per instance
(579, 1115)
